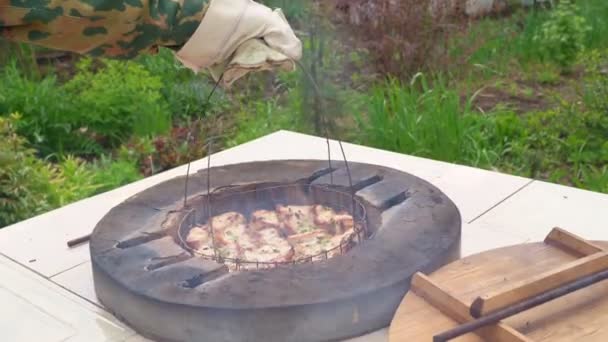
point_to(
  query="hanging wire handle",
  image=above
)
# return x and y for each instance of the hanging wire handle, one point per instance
(189, 136)
(209, 144)
(325, 123)
(209, 152)
(323, 118)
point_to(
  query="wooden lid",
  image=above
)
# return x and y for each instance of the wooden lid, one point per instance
(497, 279)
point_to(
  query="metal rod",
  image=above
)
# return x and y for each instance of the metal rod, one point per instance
(495, 317)
(325, 121)
(209, 152)
(317, 91)
(209, 219)
(79, 240)
(186, 182)
(350, 186)
(189, 136)
(331, 174)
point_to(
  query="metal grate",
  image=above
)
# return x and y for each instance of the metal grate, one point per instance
(360, 229)
(314, 194)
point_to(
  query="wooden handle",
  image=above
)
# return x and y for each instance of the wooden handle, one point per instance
(570, 242)
(454, 308)
(533, 302)
(543, 282)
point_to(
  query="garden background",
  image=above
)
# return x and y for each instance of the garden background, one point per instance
(522, 89)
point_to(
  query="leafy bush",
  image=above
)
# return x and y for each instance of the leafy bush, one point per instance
(185, 92)
(30, 186)
(77, 181)
(156, 154)
(120, 99)
(109, 173)
(26, 183)
(80, 179)
(595, 92)
(403, 37)
(562, 37)
(51, 120)
(97, 109)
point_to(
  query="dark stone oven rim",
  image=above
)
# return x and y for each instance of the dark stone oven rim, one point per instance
(417, 234)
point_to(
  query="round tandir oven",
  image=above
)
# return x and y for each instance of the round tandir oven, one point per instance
(148, 275)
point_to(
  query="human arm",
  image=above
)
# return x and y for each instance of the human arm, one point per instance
(201, 32)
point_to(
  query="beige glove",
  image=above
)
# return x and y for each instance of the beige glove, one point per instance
(240, 36)
(253, 55)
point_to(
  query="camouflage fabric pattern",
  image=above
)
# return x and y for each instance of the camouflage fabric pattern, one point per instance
(108, 28)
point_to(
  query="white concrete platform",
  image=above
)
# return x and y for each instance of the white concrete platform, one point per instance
(46, 289)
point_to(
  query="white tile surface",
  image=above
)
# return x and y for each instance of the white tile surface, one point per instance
(475, 191)
(534, 211)
(476, 239)
(34, 309)
(32, 322)
(79, 280)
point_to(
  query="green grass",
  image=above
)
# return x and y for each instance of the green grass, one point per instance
(566, 144)
(509, 43)
(595, 13)
(415, 119)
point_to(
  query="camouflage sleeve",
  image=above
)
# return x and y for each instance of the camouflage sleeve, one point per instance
(102, 28)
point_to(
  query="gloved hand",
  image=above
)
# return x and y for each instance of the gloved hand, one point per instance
(253, 55)
(239, 36)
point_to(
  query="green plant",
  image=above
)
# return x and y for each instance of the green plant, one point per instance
(26, 183)
(184, 91)
(562, 37)
(80, 179)
(595, 178)
(51, 120)
(565, 144)
(595, 13)
(156, 154)
(548, 75)
(595, 92)
(120, 99)
(260, 118)
(418, 119)
(76, 181)
(109, 173)
(30, 186)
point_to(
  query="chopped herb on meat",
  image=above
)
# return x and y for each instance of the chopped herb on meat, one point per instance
(284, 234)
